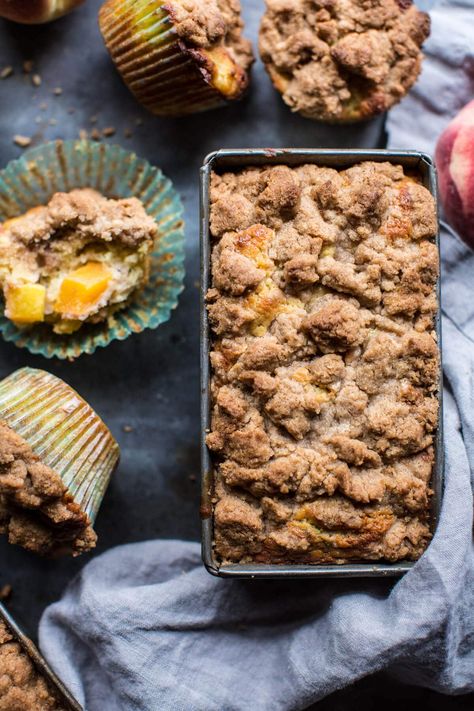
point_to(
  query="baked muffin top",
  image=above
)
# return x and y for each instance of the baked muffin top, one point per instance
(206, 23)
(36, 510)
(324, 363)
(342, 60)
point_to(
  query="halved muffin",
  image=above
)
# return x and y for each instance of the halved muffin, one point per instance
(178, 57)
(76, 260)
(345, 61)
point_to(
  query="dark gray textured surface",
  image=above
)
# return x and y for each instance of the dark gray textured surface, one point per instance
(149, 381)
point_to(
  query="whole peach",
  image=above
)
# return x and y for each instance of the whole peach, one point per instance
(33, 12)
(455, 163)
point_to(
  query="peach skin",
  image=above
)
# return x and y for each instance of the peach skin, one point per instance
(455, 163)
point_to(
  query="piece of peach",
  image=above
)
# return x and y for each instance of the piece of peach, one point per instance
(455, 163)
(32, 12)
(25, 303)
(81, 289)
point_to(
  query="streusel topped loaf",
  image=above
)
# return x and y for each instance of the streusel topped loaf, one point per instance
(324, 363)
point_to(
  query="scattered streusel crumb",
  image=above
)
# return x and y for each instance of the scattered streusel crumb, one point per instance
(95, 134)
(28, 66)
(108, 131)
(6, 72)
(127, 428)
(6, 592)
(36, 80)
(22, 141)
(57, 91)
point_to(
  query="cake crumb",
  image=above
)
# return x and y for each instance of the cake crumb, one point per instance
(108, 131)
(43, 106)
(22, 141)
(127, 428)
(28, 65)
(6, 72)
(6, 592)
(36, 80)
(95, 134)
(57, 91)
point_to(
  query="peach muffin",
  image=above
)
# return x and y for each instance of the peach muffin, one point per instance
(76, 260)
(342, 60)
(178, 57)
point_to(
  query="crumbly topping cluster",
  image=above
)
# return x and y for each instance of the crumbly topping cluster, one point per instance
(205, 24)
(36, 510)
(324, 363)
(83, 214)
(21, 685)
(342, 60)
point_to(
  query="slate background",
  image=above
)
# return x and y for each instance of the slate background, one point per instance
(149, 382)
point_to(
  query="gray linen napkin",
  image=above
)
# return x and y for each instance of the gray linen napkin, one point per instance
(144, 627)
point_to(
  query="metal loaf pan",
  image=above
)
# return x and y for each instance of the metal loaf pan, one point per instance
(64, 696)
(229, 160)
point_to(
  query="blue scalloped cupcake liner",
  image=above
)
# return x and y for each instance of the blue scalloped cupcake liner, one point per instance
(116, 173)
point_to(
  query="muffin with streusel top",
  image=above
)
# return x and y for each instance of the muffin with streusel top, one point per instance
(342, 61)
(76, 260)
(179, 57)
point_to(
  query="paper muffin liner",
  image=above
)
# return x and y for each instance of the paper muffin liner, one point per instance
(116, 173)
(64, 431)
(166, 76)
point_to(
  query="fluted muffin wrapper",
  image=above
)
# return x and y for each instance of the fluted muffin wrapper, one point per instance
(64, 431)
(165, 76)
(116, 173)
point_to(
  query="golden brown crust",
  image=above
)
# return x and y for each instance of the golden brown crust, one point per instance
(342, 61)
(324, 363)
(36, 510)
(21, 684)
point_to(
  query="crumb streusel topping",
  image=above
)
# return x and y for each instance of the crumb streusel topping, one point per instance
(324, 363)
(36, 510)
(21, 684)
(207, 23)
(342, 60)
